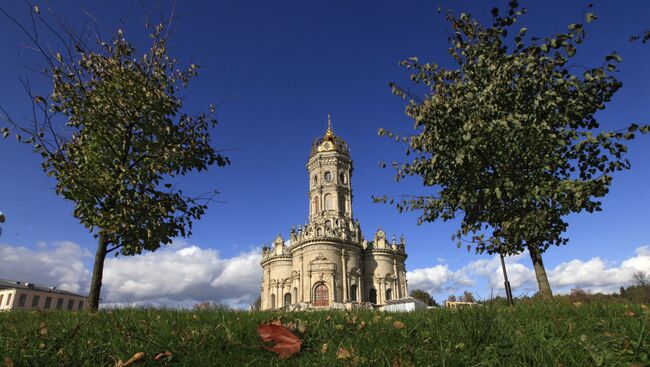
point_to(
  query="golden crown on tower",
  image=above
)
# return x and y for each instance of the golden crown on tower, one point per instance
(329, 134)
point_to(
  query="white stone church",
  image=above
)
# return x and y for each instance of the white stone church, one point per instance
(327, 263)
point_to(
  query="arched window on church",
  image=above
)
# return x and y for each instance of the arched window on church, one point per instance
(389, 294)
(319, 231)
(353, 293)
(273, 301)
(329, 202)
(315, 205)
(287, 299)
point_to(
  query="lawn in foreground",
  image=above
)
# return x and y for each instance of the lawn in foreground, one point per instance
(526, 335)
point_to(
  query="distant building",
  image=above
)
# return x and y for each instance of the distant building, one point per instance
(28, 296)
(456, 305)
(407, 304)
(327, 263)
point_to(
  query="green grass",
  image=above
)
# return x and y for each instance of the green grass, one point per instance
(527, 335)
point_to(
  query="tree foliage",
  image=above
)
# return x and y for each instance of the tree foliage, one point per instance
(424, 297)
(509, 141)
(114, 136)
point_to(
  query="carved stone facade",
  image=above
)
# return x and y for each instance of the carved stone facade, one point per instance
(327, 262)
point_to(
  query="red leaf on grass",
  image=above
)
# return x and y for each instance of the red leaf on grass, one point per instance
(286, 344)
(162, 355)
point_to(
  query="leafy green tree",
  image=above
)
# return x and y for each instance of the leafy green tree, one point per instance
(508, 141)
(114, 136)
(424, 297)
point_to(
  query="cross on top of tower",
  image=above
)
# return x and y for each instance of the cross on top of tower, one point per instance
(329, 134)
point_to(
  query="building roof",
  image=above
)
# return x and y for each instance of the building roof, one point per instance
(399, 301)
(12, 284)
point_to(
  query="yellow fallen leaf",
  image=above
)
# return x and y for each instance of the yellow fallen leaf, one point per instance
(136, 357)
(324, 348)
(628, 313)
(8, 362)
(42, 328)
(343, 353)
(399, 325)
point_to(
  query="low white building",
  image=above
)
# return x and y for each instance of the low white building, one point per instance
(29, 296)
(408, 304)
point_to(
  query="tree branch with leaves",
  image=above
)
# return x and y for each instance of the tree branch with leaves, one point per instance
(509, 141)
(114, 136)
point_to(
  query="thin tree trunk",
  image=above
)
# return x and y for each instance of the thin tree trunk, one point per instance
(540, 273)
(98, 272)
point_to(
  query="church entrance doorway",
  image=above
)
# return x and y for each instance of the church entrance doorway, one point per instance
(373, 296)
(321, 295)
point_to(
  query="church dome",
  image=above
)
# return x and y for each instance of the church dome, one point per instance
(329, 142)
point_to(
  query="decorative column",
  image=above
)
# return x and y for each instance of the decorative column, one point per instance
(332, 286)
(380, 292)
(359, 285)
(345, 277)
(396, 287)
(311, 296)
(302, 280)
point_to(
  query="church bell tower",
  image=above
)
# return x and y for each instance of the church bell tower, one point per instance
(330, 170)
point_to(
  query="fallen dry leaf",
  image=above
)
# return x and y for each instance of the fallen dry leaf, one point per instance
(343, 353)
(302, 328)
(8, 362)
(628, 313)
(136, 357)
(286, 344)
(399, 325)
(324, 348)
(162, 355)
(42, 328)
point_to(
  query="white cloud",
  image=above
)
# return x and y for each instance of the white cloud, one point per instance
(60, 265)
(175, 276)
(595, 275)
(181, 275)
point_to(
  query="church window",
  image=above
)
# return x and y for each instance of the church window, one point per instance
(273, 301)
(372, 295)
(287, 299)
(315, 182)
(319, 231)
(328, 224)
(321, 295)
(329, 202)
(327, 176)
(342, 177)
(389, 294)
(353, 293)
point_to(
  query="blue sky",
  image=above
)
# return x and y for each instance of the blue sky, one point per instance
(290, 63)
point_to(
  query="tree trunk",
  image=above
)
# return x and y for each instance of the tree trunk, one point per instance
(98, 272)
(540, 273)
